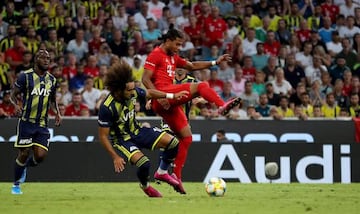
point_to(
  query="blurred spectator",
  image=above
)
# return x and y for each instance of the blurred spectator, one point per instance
(100, 19)
(294, 44)
(316, 40)
(263, 107)
(100, 79)
(348, 9)
(329, 9)
(10, 15)
(104, 55)
(58, 20)
(354, 107)
(43, 29)
(337, 71)
(24, 26)
(92, 7)
(137, 68)
(235, 49)
(326, 86)
(274, 18)
(214, 82)
(271, 46)
(293, 17)
(356, 43)
(306, 106)
(77, 82)
(313, 72)
(317, 97)
(118, 46)
(107, 30)
(259, 83)
(151, 33)
(325, 32)
(54, 43)
(163, 22)
(120, 19)
(315, 20)
(295, 98)
(248, 69)
(182, 21)
(14, 55)
(334, 46)
(283, 35)
(341, 99)
(67, 32)
(225, 72)
(187, 50)
(81, 15)
(299, 113)
(91, 69)
(31, 40)
(251, 113)
(144, 14)
(6, 78)
(155, 7)
(283, 110)
(272, 97)
(77, 107)
(72, 7)
(70, 70)
(349, 30)
(214, 31)
(347, 52)
(238, 83)
(26, 63)
(347, 77)
(63, 94)
(317, 112)
(88, 28)
(78, 46)
(250, 43)
(248, 96)
(283, 54)
(174, 7)
(227, 93)
(325, 58)
(259, 59)
(262, 31)
(293, 73)
(329, 108)
(221, 136)
(3, 28)
(357, 16)
(8, 41)
(96, 41)
(304, 58)
(280, 84)
(7, 109)
(90, 95)
(269, 69)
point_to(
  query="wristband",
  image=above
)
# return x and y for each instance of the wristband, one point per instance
(169, 96)
(213, 63)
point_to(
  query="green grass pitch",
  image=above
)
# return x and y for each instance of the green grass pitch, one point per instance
(128, 198)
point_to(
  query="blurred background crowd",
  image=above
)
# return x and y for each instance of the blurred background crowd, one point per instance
(290, 58)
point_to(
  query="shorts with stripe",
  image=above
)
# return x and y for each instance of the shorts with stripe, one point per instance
(31, 134)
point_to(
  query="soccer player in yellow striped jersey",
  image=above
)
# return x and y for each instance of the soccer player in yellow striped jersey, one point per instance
(38, 89)
(92, 7)
(283, 108)
(119, 130)
(330, 109)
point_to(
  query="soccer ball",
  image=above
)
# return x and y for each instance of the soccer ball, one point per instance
(215, 187)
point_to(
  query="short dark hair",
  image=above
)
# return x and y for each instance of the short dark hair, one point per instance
(172, 34)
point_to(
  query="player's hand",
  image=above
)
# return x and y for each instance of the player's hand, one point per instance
(181, 94)
(148, 105)
(119, 164)
(225, 57)
(18, 110)
(164, 103)
(58, 119)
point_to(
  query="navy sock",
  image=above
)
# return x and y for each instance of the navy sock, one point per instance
(18, 171)
(169, 154)
(143, 171)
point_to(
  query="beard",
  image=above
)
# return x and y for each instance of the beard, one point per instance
(43, 68)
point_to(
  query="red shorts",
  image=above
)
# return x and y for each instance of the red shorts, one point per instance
(174, 116)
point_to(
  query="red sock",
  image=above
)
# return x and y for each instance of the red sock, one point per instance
(181, 155)
(209, 94)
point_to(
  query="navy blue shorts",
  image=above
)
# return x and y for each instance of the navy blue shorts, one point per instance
(31, 134)
(147, 138)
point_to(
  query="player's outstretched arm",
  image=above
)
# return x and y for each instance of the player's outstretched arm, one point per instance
(198, 65)
(156, 94)
(119, 162)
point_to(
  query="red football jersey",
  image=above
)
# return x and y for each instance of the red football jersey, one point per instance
(163, 67)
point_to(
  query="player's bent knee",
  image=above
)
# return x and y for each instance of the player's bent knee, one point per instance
(173, 144)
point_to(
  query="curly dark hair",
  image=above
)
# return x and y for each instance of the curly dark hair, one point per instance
(172, 34)
(118, 76)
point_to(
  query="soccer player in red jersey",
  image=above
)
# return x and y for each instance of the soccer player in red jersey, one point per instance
(159, 73)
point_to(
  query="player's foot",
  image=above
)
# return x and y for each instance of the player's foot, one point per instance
(225, 109)
(23, 176)
(151, 192)
(16, 190)
(166, 178)
(179, 188)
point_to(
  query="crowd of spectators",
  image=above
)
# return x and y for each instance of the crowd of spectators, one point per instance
(290, 58)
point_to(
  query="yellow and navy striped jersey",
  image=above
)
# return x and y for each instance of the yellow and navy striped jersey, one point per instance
(330, 112)
(31, 45)
(92, 8)
(6, 43)
(99, 83)
(35, 19)
(57, 22)
(120, 117)
(4, 76)
(37, 92)
(56, 46)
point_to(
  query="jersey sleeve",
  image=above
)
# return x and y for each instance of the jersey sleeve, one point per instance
(105, 116)
(21, 81)
(151, 62)
(180, 62)
(141, 93)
